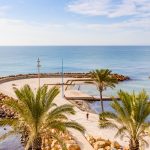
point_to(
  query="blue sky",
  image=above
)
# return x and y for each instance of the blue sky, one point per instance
(75, 22)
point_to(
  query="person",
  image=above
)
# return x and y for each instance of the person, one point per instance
(87, 115)
(79, 88)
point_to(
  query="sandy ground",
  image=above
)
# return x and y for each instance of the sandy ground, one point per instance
(91, 124)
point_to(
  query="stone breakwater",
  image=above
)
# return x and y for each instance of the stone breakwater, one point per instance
(120, 77)
(99, 143)
(55, 75)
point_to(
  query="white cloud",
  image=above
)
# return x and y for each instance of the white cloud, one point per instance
(114, 34)
(126, 8)
(136, 27)
(110, 8)
(18, 32)
(89, 7)
(140, 24)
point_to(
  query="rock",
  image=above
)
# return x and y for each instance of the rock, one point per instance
(74, 147)
(88, 137)
(70, 142)
(54, 148)
(53, 143)
(91, 139)
(46, 142)
(107, 148)
(68, 145)
(99, 139)
(57, 147)
(95, 146)
(120, 77)
(107, 143)
(116, 145)
(99, 144)
(53, 130)
(92, 144)
(126, 148)
(66, 137)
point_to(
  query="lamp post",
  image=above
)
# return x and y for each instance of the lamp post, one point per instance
(38, 67)
(62, 75)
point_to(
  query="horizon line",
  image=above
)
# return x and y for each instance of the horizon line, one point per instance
(69, 45)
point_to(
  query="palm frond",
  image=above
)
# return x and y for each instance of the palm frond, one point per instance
(121, 131)
(66, 108)
(10, 122)
(75, 125)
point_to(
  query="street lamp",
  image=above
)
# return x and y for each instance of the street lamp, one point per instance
(38, 67)
(62, 74)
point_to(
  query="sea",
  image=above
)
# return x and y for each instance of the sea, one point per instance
(132, 61)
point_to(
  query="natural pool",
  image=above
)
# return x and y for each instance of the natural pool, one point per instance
(129, 86)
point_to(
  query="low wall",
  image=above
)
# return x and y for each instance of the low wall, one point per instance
(54, 75)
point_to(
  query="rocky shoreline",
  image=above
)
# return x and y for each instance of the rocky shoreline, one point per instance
(5, 112)
(99, 143)
(47, 142)
(55, 75)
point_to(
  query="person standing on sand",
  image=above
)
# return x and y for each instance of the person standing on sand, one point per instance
(87, 115)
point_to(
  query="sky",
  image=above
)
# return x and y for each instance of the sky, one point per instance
(74, 22)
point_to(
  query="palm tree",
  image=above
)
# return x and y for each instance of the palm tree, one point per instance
(103, 79)
(38, 115)
(129, 117)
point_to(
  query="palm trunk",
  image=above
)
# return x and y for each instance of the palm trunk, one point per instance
(36, 145)
(101, 99)
(134, 145)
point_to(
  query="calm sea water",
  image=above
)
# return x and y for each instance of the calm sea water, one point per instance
(133, 61)
(130, 60)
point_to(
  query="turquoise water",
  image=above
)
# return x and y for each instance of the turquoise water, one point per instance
(130, 60)
(133, 61)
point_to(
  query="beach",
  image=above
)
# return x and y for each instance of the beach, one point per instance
(91, 125)
(75, 75)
